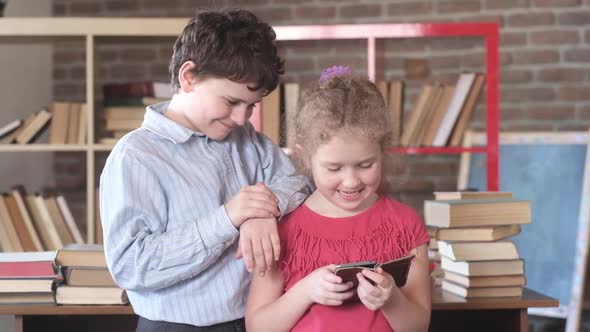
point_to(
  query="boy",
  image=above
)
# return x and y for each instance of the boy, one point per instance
(176, 193)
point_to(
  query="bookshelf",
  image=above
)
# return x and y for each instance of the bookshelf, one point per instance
(89, 29)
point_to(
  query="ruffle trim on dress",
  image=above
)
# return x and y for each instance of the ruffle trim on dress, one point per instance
(307, 252)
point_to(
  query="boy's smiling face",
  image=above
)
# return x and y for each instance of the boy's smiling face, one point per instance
(217, 106)
(213, 106)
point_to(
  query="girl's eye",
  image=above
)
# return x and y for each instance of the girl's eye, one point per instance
(231, 102)
(333, 169)
(366, 165)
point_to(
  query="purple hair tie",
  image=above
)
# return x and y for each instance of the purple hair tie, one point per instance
(335, 71)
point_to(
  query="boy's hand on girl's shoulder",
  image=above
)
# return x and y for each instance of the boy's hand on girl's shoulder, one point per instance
(259, 244)
(374, 296)
(323, 286)
(256, 201)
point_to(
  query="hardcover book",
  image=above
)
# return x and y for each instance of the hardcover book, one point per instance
(397, 268)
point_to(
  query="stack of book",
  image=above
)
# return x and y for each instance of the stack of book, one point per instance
(87, 281)
(124, 106)
(436, 272)
(471, 233)
(27, 278)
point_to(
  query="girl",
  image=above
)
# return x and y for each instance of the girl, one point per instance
(341, 131)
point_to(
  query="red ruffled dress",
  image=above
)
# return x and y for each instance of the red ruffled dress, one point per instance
(385, 231)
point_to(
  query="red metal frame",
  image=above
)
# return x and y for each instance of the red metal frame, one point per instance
(488, 30)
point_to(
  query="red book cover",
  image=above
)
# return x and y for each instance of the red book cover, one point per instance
(128, 90)
(41, 269)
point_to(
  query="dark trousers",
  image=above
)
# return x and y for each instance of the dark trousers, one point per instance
(146, 325)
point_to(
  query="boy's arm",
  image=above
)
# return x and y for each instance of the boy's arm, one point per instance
(279, 174)
(143, 253)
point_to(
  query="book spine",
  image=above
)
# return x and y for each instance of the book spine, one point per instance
(128, 90)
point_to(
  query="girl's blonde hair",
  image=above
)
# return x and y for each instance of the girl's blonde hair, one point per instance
(341, 103)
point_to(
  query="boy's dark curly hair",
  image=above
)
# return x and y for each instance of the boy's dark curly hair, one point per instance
(232, 44)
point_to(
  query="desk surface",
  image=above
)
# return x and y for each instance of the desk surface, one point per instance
(440, 301)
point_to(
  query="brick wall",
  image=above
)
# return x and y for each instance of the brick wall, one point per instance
(545, 52)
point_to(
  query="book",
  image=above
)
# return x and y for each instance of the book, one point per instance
(291, 101)
(8, 235)
(395, 105)
(88, 276)
(124, 113)
(82, 124)
(33, 256)
(271, 115)
(10, 127)
(477, 212)
(433, 255)
(81, 255)
(58, 131)
(433, 244)
(73, 123)
(437, 115)
(24, 236)
(455, 105)
(478, 251)
(25, 270)
(429, 110)
(451, 195)
(65, 294)
(125, 90)
(397, 268)
(410, 126)
(483, 268)
(485, 281)
(468, 292)
(19, 194)
(481, 234)
(128, 124)
(133, 101)
(11, 137)
(467, 110)
(49, 234)
(26, 285)
(69, 219)
(383, 87)
(57, 219)
(27, 298)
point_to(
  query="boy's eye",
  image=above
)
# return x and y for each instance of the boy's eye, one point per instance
(231, 102)
(333, 169)
(366, 165)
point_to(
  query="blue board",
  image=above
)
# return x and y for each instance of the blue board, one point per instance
(551, 177)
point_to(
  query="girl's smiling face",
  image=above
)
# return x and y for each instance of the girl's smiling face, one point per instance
(347, 174)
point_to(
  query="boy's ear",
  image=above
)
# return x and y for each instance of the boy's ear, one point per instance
(186, 78)
(301, 155)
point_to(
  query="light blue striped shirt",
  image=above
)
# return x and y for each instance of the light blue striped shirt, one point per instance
(167, 237)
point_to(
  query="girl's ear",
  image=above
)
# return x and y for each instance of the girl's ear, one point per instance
(301, 155)
(186, 78)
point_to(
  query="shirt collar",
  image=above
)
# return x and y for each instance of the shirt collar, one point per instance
(156, 122)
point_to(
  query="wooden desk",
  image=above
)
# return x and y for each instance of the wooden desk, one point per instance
(71, 318)
(449, 313)
(454, 313)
